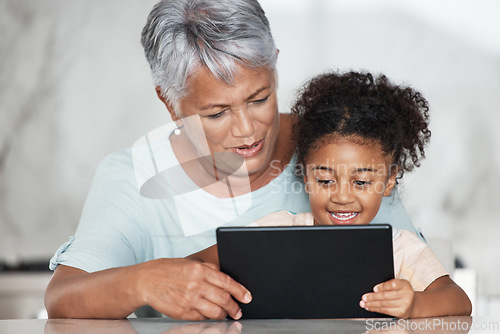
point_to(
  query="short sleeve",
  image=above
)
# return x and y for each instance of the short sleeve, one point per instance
(54, 261)
(108, 234)
(415, 261)
(392, 211)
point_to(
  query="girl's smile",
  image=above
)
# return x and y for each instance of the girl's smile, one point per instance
(343, 218)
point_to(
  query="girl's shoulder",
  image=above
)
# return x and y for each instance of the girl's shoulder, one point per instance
(284, 218)
(407, 245)
(407, 238)
(403, 233)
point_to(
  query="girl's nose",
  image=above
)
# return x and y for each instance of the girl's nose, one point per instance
(341, 194)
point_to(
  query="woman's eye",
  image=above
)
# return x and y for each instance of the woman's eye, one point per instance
(261, 100)
(217, 115)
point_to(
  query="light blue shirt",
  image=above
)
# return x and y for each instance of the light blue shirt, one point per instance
(121, 227)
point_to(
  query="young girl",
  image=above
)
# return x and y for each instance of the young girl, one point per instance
(356, 135)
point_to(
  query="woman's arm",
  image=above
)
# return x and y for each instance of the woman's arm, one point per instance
(74, 293)
(396, 297)
(178, 288)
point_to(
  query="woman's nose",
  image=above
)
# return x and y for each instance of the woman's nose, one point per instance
(243, 124)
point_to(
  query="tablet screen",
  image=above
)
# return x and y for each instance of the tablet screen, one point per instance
(307, 272)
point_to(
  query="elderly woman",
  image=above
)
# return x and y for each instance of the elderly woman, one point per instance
(214, 67)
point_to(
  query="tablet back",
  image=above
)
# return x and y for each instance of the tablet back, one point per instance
(307, 272)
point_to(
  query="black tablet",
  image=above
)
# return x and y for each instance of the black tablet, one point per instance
(307, 272)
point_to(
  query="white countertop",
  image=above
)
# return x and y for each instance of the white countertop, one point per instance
(448, 325)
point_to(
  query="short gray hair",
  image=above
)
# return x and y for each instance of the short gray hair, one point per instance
(181, 35)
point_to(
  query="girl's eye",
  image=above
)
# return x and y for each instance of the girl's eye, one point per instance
(361, 183)
(325, 182)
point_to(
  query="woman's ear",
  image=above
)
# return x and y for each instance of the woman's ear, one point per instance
(391, 182)
(306, 184)
(167, 103)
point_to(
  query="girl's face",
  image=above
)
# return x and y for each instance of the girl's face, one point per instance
(346, 182)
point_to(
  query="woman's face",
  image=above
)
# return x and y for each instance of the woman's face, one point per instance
(346, 182)
(242, 118)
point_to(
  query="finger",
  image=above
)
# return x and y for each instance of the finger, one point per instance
(379, 304)
(396, 311)
(211, 310)
(222, 299)
(392, 284)
(179, 305)
(226, 283)
(191, 315)
(386, 295)
(205, 292)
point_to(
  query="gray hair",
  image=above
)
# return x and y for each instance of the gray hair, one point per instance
(181, 35)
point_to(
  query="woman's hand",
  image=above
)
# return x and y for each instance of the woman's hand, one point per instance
(179, 288)
(394, 297)
(191, 290)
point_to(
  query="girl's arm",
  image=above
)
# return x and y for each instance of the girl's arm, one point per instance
(396, 297)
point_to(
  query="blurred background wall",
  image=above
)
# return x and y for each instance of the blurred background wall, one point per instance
(75, 86)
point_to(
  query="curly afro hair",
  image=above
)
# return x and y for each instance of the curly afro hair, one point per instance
(357, 105)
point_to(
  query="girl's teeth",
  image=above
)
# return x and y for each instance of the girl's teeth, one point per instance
(344, 216)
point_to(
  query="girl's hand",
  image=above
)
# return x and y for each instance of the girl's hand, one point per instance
(394, 297)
